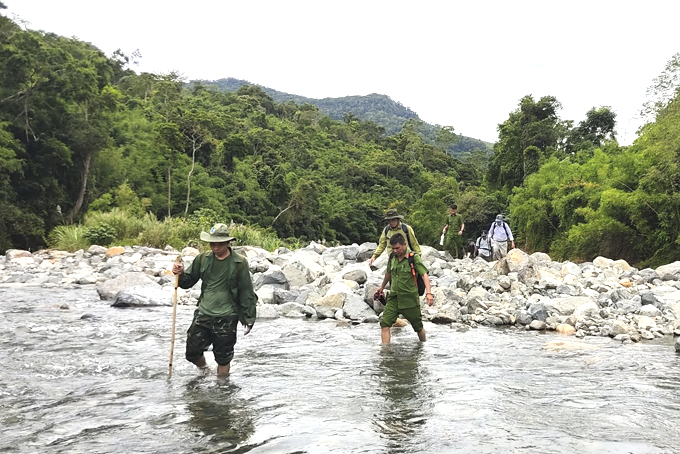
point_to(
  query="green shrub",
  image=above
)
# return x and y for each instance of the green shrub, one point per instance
(103, 234)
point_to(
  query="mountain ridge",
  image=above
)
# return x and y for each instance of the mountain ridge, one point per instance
(375, 107)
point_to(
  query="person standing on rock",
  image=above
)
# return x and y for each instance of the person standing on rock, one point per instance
(227, 297)
(499, 236)
(395, 226)
(403, 296)
(453, 231)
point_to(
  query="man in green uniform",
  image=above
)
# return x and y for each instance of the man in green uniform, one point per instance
(395, 226)
(403, 297)
(227, 297)
(453, 241)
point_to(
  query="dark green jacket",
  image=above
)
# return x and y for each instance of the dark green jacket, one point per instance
(238, 298)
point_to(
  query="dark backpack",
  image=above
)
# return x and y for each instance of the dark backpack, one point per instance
(404, 227)
(417, 278)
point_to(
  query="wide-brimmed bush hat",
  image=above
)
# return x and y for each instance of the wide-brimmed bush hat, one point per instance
(392, 214)
(219, 233)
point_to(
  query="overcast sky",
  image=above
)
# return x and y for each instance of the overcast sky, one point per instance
(464, 64)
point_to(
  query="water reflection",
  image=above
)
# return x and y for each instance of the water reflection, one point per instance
(223, 420)
(407, 403)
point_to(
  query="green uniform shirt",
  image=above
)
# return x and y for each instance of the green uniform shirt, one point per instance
(402, 284)
(226, 287)
(454, 223)
(385, 239)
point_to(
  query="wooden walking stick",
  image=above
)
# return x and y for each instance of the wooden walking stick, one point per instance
(174, 317)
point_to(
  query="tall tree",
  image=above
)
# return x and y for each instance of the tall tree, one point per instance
(533, 124)
(594, 131)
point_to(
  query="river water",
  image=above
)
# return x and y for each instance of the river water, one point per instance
(78, 376)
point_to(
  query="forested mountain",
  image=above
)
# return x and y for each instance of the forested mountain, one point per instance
(380, 109)
(82, 136)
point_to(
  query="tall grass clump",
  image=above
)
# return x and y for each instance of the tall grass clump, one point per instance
(126, 226)
(255, 236)
(120, 227)
(69, 238)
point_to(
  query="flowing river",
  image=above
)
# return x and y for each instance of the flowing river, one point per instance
(78, 376)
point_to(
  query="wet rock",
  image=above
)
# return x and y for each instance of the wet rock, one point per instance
(537, 325)
(142, 296)
(565, 329)
(108, 290)
(355, 308)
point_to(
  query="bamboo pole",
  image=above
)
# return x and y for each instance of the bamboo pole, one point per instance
(174, 318)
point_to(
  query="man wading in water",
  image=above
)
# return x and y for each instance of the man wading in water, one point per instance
(227, 297)
(403, 297)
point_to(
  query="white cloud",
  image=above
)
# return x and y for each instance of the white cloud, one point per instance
(463, 64)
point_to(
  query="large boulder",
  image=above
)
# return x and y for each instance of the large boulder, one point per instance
(12, 254)
(671, 268)
(274, 277)
(366, 251)
(517, 259)
(356, 309)
(585, 311)
(566, 306)
(302, 269)
(142, 296)
(108, 290)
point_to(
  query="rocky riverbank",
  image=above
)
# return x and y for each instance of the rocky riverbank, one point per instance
(600, 298)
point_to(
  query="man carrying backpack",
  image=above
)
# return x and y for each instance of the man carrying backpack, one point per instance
(395, 226)
(499, 235)
(403, 297)
(482, 247)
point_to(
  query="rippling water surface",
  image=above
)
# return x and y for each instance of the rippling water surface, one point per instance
(79, 376)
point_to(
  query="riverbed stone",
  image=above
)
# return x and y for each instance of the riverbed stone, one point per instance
(116, 250)
(565, 329)
(142, 296)
(355, 308)
(357, 275)
(266, 311)
(467, 291)
(537, 325)
(649, 310)
(108, 290)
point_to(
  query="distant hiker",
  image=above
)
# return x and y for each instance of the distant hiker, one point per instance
(403, 296)
(483, 246)
(499, 235)
(454, 228)
(470, 250)
(226, 298)
(395, 226)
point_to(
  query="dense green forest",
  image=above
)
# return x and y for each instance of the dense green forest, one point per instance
(379, 109)
(81, 134)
